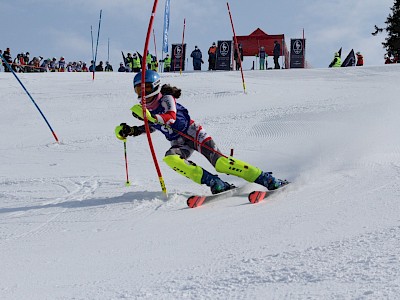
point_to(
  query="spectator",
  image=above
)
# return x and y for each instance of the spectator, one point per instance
(99, 67)
(34, 65)
(91, 68)
(15, 65)
(22, 63)
(74, 66)
(8, 59)
(360, 59)
(262, 55)
(136, 63)
(53, 65)
(167, 63)
(149, 59)
(78, 67)
(108, 67)
(336, 62)
(61, 64)
(26, 62)
(277, 53)
(197, 58)
(84, 67)
(26, 58)
(121, 67)
(44, 67)
(129, 62)
(69, 67)
(154, 63)
(238, 57)
(212, 57)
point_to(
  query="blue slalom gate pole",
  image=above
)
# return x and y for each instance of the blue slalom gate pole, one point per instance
(93, 66)
(29, 95)
(97, 43)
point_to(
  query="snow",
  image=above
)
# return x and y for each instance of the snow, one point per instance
(71, 229)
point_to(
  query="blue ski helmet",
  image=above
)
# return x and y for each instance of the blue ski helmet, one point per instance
(152, 80)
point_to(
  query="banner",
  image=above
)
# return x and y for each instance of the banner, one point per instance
(224, 54)
(166, 26)
(297, 53)
(178, 54)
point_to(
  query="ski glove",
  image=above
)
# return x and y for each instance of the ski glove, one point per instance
(137, 112)
(123, 131)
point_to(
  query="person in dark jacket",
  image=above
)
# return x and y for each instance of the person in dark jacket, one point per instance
(197, 59)
(108, 67)
(99, 67)
(236, 57)
(277, 53)
(121, 67)
(212, 57)
(91, 67)
(8, 59)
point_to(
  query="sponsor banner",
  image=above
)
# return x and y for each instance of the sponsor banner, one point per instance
(224, 55)
(166, 26)
(297, 53)
(178, 54)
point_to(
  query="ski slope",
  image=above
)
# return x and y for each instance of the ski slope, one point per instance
(71, 229)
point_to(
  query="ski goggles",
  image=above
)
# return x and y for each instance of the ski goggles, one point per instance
(148, 88)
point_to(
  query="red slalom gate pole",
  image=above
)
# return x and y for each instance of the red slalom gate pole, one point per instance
(236, 47)
(183, 40)
(143, 94)
(127, 183)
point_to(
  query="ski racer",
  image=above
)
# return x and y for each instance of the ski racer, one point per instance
(173, 120)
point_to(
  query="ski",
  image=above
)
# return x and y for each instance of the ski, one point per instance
(199, 200)
(257, 196)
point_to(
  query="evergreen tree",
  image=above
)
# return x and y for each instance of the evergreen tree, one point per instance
(392, 42)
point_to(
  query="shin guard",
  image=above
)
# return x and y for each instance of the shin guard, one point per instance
(184, 167)
(238, 168)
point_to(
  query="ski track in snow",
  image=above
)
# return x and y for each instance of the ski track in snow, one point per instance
(250, 277)
(66, 216)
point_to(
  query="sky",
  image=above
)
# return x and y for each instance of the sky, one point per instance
(70, 229)
(53, 28)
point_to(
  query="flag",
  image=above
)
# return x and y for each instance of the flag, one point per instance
(340, 52)
(124, 59)
(350, 60)
(166, 26)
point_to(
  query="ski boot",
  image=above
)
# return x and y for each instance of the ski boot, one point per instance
(216, 184)
(269, 181)
(219, 186)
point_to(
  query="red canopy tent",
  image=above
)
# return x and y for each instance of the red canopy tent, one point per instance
(251, 43)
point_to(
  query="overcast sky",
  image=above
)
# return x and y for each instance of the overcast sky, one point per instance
(54, 28)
